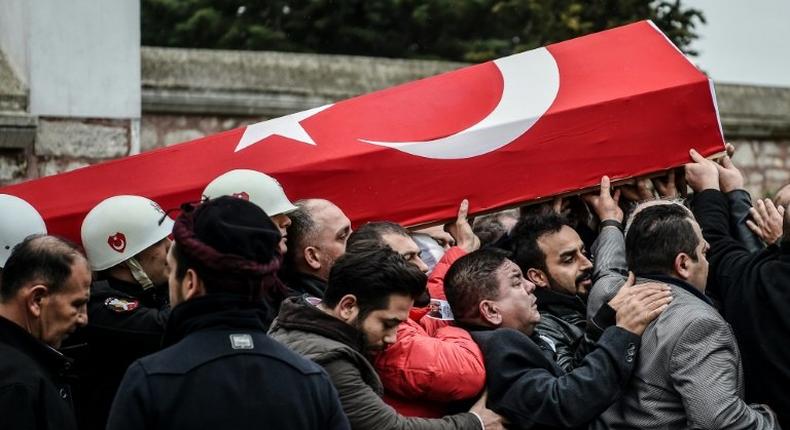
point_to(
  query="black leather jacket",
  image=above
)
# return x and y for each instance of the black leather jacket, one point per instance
(562, 321)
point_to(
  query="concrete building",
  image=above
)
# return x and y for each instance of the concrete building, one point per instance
(69, 84)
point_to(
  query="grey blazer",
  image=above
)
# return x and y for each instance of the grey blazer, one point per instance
(689, 374)
(609, 268)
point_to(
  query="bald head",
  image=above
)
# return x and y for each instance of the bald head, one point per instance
(318, 234)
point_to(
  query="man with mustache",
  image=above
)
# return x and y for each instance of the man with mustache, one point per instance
(370, 293)
(490, 296)
(552, 256)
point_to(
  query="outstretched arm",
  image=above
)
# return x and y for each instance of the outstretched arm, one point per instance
(524, 390)
(608, 250)
(727, 256)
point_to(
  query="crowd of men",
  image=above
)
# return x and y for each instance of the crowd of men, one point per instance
(626, 307)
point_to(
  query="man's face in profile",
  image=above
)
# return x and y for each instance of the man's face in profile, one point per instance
(64, 311)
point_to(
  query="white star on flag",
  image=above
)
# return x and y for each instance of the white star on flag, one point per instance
(286, 126)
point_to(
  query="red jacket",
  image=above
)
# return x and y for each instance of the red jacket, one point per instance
(432, 364)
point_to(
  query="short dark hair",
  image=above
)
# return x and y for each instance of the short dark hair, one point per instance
(524, 239)
(471, 280)
(371, 235)
(657, 234)
(372, 276)
(39, 258)
(302, 227)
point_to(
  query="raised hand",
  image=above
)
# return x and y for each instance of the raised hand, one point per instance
(666, 186)
(767, 220)
(730, 148)
(638, 306)
(701, 174)
(461, 230)
(604, 204)
(730, 178)
(639, 191)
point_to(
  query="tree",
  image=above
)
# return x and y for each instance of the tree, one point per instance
(462, 30)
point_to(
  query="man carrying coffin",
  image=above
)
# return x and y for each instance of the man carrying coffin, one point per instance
(490, 296)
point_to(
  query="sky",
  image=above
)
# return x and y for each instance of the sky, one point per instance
(744, 41)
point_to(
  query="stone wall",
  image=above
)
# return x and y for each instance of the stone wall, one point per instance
(159, 130)
(757, 121)
(66, 144)
(764, 163)
(17, 128)
(187, 94)
(31, 147)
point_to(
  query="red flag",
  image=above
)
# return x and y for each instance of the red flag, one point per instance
(623, 103)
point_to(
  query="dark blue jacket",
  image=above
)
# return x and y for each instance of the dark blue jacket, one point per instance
(221, 371)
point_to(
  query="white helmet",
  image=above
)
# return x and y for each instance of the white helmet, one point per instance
(121, 227)
(19, 220)
(257, 187)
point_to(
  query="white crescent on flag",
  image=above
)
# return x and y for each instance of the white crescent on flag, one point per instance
(531, 83)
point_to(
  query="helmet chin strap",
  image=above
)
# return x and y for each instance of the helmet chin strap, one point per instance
(139, 274)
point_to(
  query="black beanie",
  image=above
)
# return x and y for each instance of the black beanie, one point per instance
(235, 226)
(233, 240)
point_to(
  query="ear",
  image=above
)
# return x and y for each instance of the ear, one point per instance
(682, 265)
(36, 296)
(538, 277)
(347, 308)
(312, 257)
(489, 313)
(192, 285)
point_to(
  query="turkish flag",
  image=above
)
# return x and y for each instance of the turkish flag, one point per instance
(623, 103)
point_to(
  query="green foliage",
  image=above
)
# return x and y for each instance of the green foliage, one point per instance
(462, 30)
